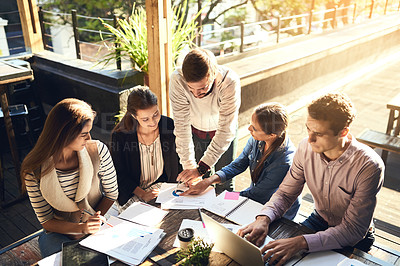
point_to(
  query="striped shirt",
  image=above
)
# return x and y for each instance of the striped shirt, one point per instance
(151, 162)
(69, 183)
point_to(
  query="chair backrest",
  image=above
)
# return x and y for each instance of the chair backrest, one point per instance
(19, 118)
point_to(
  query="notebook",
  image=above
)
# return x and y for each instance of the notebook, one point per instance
(232, 206)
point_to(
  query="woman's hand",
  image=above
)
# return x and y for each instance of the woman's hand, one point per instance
(93, 224)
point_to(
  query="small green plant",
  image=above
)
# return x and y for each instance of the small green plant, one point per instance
(130, 37)
(197, 252)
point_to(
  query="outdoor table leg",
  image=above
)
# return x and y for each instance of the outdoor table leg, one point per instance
(10, 132)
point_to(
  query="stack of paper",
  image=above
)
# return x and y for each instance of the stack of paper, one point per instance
(143, 214)
(170, 199)
(126, 241)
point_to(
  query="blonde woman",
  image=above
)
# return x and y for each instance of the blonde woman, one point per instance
(67, 172)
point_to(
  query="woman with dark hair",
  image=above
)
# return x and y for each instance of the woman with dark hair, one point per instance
(268, 153)
(143, 148)
(67, 172)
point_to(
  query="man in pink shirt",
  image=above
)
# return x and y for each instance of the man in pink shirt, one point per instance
(344, 177)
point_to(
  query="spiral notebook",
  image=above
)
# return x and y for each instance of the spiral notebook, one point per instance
(232, 206)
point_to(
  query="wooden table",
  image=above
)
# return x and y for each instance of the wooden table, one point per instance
(393, 126)
(10, 74)
(164, 254)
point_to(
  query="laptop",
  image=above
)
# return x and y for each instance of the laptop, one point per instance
(237, 248)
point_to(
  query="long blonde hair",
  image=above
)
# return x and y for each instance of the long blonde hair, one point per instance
(63, 125)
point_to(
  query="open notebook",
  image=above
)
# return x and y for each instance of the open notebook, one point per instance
(232, 206)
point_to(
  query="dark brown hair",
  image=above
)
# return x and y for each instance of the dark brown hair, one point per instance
(273, 119)
(140, 98)
(199, 64)
(336, 108)
(63, 125)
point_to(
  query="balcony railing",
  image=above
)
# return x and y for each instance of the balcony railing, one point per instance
(86, 44)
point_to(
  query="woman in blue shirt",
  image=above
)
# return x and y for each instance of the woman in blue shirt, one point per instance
(268, 153)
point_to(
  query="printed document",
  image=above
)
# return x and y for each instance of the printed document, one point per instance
(144, 214)
(126, 241)
(170, 199)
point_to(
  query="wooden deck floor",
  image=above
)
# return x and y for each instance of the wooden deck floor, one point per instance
(18, 220)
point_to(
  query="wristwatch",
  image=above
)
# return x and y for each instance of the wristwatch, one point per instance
(202, 169)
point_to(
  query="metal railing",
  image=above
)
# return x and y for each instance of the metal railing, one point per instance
(235, 39)
(274, 32)
(49, 20)
(14, 36)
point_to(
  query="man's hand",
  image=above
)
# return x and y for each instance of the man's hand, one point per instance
(149, 195)
(197, 188)
(186, 175)
(257, 231)
(282, 250)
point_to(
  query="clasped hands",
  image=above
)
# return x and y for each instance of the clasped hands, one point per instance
(278, 251)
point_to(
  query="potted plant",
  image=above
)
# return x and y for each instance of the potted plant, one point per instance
(130, 37)
(197, 253)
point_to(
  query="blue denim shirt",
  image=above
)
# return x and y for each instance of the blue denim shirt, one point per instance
(275, 168)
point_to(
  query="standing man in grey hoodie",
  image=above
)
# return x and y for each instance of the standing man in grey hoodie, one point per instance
(205, 99)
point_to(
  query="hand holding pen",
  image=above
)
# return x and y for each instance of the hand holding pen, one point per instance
(96, 217)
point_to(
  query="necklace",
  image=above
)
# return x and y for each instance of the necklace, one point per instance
(151, 147)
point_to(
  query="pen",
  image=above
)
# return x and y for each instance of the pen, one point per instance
(177, 185)
(91, 214)
(201, 217)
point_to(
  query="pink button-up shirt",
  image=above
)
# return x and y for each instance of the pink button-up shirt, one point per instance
(344, 192)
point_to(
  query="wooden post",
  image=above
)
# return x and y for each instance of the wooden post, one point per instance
(372, 9)
(10, 132)
(386, 4)
(241, 36)
(311, 16)
(159, 40)
(278, 30)
(76, 34)
(118, 54)
(29, 15)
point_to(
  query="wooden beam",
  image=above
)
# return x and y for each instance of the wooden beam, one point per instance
(29, 15)
(159, 46)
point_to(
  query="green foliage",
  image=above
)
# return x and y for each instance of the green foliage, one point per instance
(131, 37)
(197, 252)
(234, 16)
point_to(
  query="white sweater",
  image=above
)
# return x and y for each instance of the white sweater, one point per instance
(216, 111)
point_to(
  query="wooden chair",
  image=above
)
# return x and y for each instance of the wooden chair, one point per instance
(389, 141)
